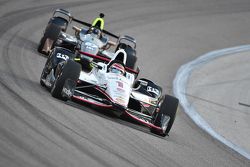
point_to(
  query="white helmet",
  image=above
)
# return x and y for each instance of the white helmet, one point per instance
(117, 68)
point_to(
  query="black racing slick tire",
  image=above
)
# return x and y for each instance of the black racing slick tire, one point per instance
(59, 22)
(168, 107)
(70, 70)
(41, 45)
(52, 32)
(131, 61)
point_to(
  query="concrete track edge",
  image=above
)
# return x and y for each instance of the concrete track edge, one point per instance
(179, 90)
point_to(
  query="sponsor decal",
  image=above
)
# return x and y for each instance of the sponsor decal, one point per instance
(153, 90)
(67, 92)
(46, 82)
(119, 84)
(62, 56)
(90, 46)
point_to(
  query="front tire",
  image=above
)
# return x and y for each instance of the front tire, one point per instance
(71, 70)
(168, 109)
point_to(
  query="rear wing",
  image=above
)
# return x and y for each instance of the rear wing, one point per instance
(107, 60)
(89, 25)
(67, 16)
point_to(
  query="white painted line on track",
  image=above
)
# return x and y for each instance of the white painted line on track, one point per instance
(179, 89)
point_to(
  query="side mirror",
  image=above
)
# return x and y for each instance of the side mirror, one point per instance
(138, 71)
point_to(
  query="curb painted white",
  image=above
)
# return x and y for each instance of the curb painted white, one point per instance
(179, 90)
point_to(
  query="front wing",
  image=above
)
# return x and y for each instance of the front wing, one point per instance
(82, 97)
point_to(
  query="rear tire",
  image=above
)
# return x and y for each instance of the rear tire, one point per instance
(52, 32)
(59, 22)
(41, 45)
(131, 55)
(168, 107)
(131, 58)
(71, 70)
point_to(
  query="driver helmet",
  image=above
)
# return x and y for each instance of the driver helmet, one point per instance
(95, 31)
(117, 69)
(99, 22)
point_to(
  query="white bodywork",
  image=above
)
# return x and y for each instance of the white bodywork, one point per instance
(90, 44)
(118, 87)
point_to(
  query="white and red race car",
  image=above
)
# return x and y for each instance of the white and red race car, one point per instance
(109, 85)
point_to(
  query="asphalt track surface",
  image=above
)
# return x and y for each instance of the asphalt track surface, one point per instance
(38, 130)
(209, 89)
